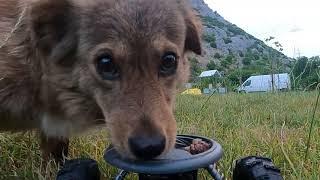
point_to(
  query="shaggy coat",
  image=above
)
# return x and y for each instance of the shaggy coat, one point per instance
(49, 81)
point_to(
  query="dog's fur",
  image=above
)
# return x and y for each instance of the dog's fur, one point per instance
(48, 79)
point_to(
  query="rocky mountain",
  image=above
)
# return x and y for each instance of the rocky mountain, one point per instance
(229, 47)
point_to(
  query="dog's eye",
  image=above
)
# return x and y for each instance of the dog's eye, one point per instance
(106, 68)
(168, 64)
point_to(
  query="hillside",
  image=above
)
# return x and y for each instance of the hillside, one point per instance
(227, 47)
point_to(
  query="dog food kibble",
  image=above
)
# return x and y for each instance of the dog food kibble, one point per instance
(198, 146)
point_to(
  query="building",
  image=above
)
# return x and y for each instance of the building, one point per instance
(210, 73)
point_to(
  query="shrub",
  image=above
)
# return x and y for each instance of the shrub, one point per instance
(246, 61)
(227, 61)
(306, 73)
(227, 40)
(204, 82)
(241, 54)
(195, 68)
(240, 75)
(212, 22)
(217, 56)
(211, 39)
(236, 30)
(211, 65)
(213, 44)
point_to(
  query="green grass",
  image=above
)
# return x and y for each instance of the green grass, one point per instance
(272, 125)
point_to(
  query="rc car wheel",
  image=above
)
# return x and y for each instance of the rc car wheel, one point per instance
(256, 168)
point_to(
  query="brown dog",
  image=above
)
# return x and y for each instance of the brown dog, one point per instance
(67, 65)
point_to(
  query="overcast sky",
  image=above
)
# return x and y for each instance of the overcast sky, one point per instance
(294, 23)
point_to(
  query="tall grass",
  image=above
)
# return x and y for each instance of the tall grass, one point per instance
(311, 125)
(272, 125)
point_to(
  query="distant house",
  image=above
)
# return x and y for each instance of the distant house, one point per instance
(210, 73)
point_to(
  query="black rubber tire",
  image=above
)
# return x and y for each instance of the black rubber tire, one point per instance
(79, 169)
(256, 168)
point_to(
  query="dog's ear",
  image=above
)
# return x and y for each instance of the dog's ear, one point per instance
(54, 28)
(193, 34)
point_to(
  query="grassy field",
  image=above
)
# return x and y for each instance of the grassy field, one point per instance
(272, 125)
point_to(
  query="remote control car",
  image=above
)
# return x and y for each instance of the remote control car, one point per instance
(190, 154)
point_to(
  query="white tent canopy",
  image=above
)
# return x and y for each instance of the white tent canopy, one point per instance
(210, 73)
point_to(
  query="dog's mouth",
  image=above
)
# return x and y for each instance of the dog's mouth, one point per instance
(134, 141)
(99, 117)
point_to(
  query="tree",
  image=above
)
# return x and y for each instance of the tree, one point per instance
(211, 65)
(217, 56)
(240, 75)
(227, 40)
(195, 68)
(306, 73)
(246, 61)
(211, 39)
(274, 62)
(229, 59)
(241, 54)
(300, 66)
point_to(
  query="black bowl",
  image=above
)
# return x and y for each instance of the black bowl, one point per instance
(176, 161)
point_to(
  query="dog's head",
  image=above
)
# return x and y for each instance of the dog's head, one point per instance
(126, 57)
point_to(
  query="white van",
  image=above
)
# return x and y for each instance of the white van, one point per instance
(263, 83)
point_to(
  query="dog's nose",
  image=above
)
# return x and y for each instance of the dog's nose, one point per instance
(144, 147)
